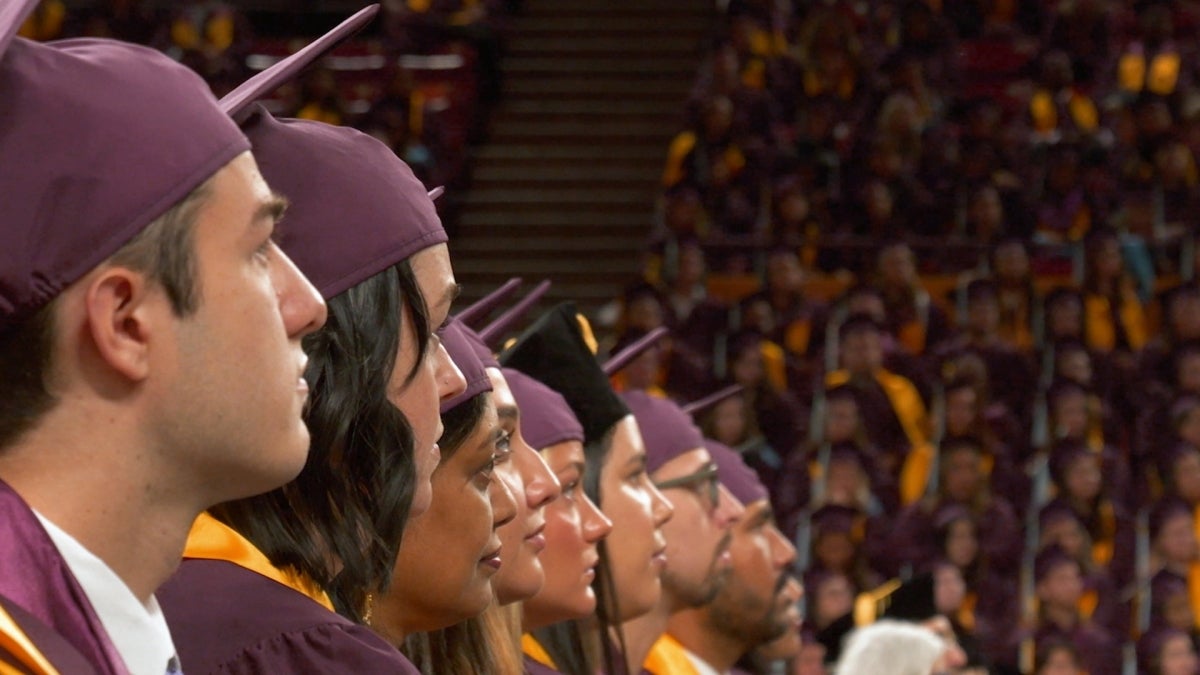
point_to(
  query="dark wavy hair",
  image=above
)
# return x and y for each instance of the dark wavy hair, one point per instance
(341, 520)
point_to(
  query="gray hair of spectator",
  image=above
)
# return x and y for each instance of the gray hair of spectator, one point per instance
(889, 647)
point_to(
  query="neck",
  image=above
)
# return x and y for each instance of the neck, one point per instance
(641, 634)
(692, 628)
(100, 485)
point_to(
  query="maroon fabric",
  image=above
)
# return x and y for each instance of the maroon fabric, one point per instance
(74, 192)
(356, 209)
(236, 102)
(534, 668)
(227, 619)
(462, 352)
(49, 643)
(666, 429)
(482, 352)
(735, 474)
(35, 578)
(546, 419)
(12, 15)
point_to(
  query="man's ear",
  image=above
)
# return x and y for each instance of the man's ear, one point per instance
(121, 310)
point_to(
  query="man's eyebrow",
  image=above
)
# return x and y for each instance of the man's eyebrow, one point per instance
(271, 209)
(508, 412)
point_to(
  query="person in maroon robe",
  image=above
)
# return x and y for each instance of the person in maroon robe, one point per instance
(365, 230)
(138, 280)
(1059, 586)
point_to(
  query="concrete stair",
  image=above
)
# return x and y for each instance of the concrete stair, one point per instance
(565, 186)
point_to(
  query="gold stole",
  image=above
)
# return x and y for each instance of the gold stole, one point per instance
(797, 335)
(534, 650)
(1102, 334)
(668, 657)
(14, 641)
(210, 539)
(910, 410)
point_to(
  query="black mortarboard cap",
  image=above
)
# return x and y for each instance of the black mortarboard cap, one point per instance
(554, 352)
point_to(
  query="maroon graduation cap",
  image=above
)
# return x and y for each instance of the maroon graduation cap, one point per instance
(356, 209)
(546, 419)
(735, 474)
(98, 138)
(667, 430)
(461, 350)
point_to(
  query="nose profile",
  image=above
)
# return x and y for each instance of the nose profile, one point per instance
(504, 505)
(596, 525)
(450, 380)
(300, 304)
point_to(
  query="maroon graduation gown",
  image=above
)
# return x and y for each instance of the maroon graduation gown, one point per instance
(43, 598)
(228, 619)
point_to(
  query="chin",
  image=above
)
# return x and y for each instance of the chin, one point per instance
(524, 586)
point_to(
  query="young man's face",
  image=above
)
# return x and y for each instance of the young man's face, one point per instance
(698, 534)
(230, 409)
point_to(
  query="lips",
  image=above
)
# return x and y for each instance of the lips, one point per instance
(535, 539)
(491, 559)
(660, 554)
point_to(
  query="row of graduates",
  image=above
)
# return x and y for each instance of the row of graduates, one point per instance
(352, 479)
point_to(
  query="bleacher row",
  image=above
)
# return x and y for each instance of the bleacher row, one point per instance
(948, 251)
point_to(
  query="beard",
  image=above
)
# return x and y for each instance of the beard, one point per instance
(743, 613)
(690, 593)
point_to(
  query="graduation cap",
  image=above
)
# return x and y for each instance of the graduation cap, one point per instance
(356, 208)
(704, 403)
(484, 306)
(99, 138)
(509, 318)
(1063, 455)
(733, 472)
(546, 419)
(912, 600)
(982, 289)
(633, 350)
(555, 352)
(667, 430)
(1151, 644)
(1050, 559)
(463, 353)
(1163, 586)
(858, 323)
(838, 519)
(1055, 512)
(1163, 511)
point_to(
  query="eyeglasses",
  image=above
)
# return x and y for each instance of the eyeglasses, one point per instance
(704, 482)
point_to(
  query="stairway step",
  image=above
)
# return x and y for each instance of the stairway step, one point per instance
(507, 242)
(639, 175)
(532, 128)
(575, 108)
(651, 24)
(671, 90)
(609, 64)
(552, 195)
(603, 222)
(540, 45)
(565, 268)
(575, 153)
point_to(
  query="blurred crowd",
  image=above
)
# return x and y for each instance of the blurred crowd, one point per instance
(948, 251)
(422, 82)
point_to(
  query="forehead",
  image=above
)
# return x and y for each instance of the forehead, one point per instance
(435, 277)
(686, 463)
(501, 393)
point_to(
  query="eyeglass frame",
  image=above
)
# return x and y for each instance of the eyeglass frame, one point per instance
(696, 480)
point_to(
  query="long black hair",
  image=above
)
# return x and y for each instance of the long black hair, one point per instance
(341, 520)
